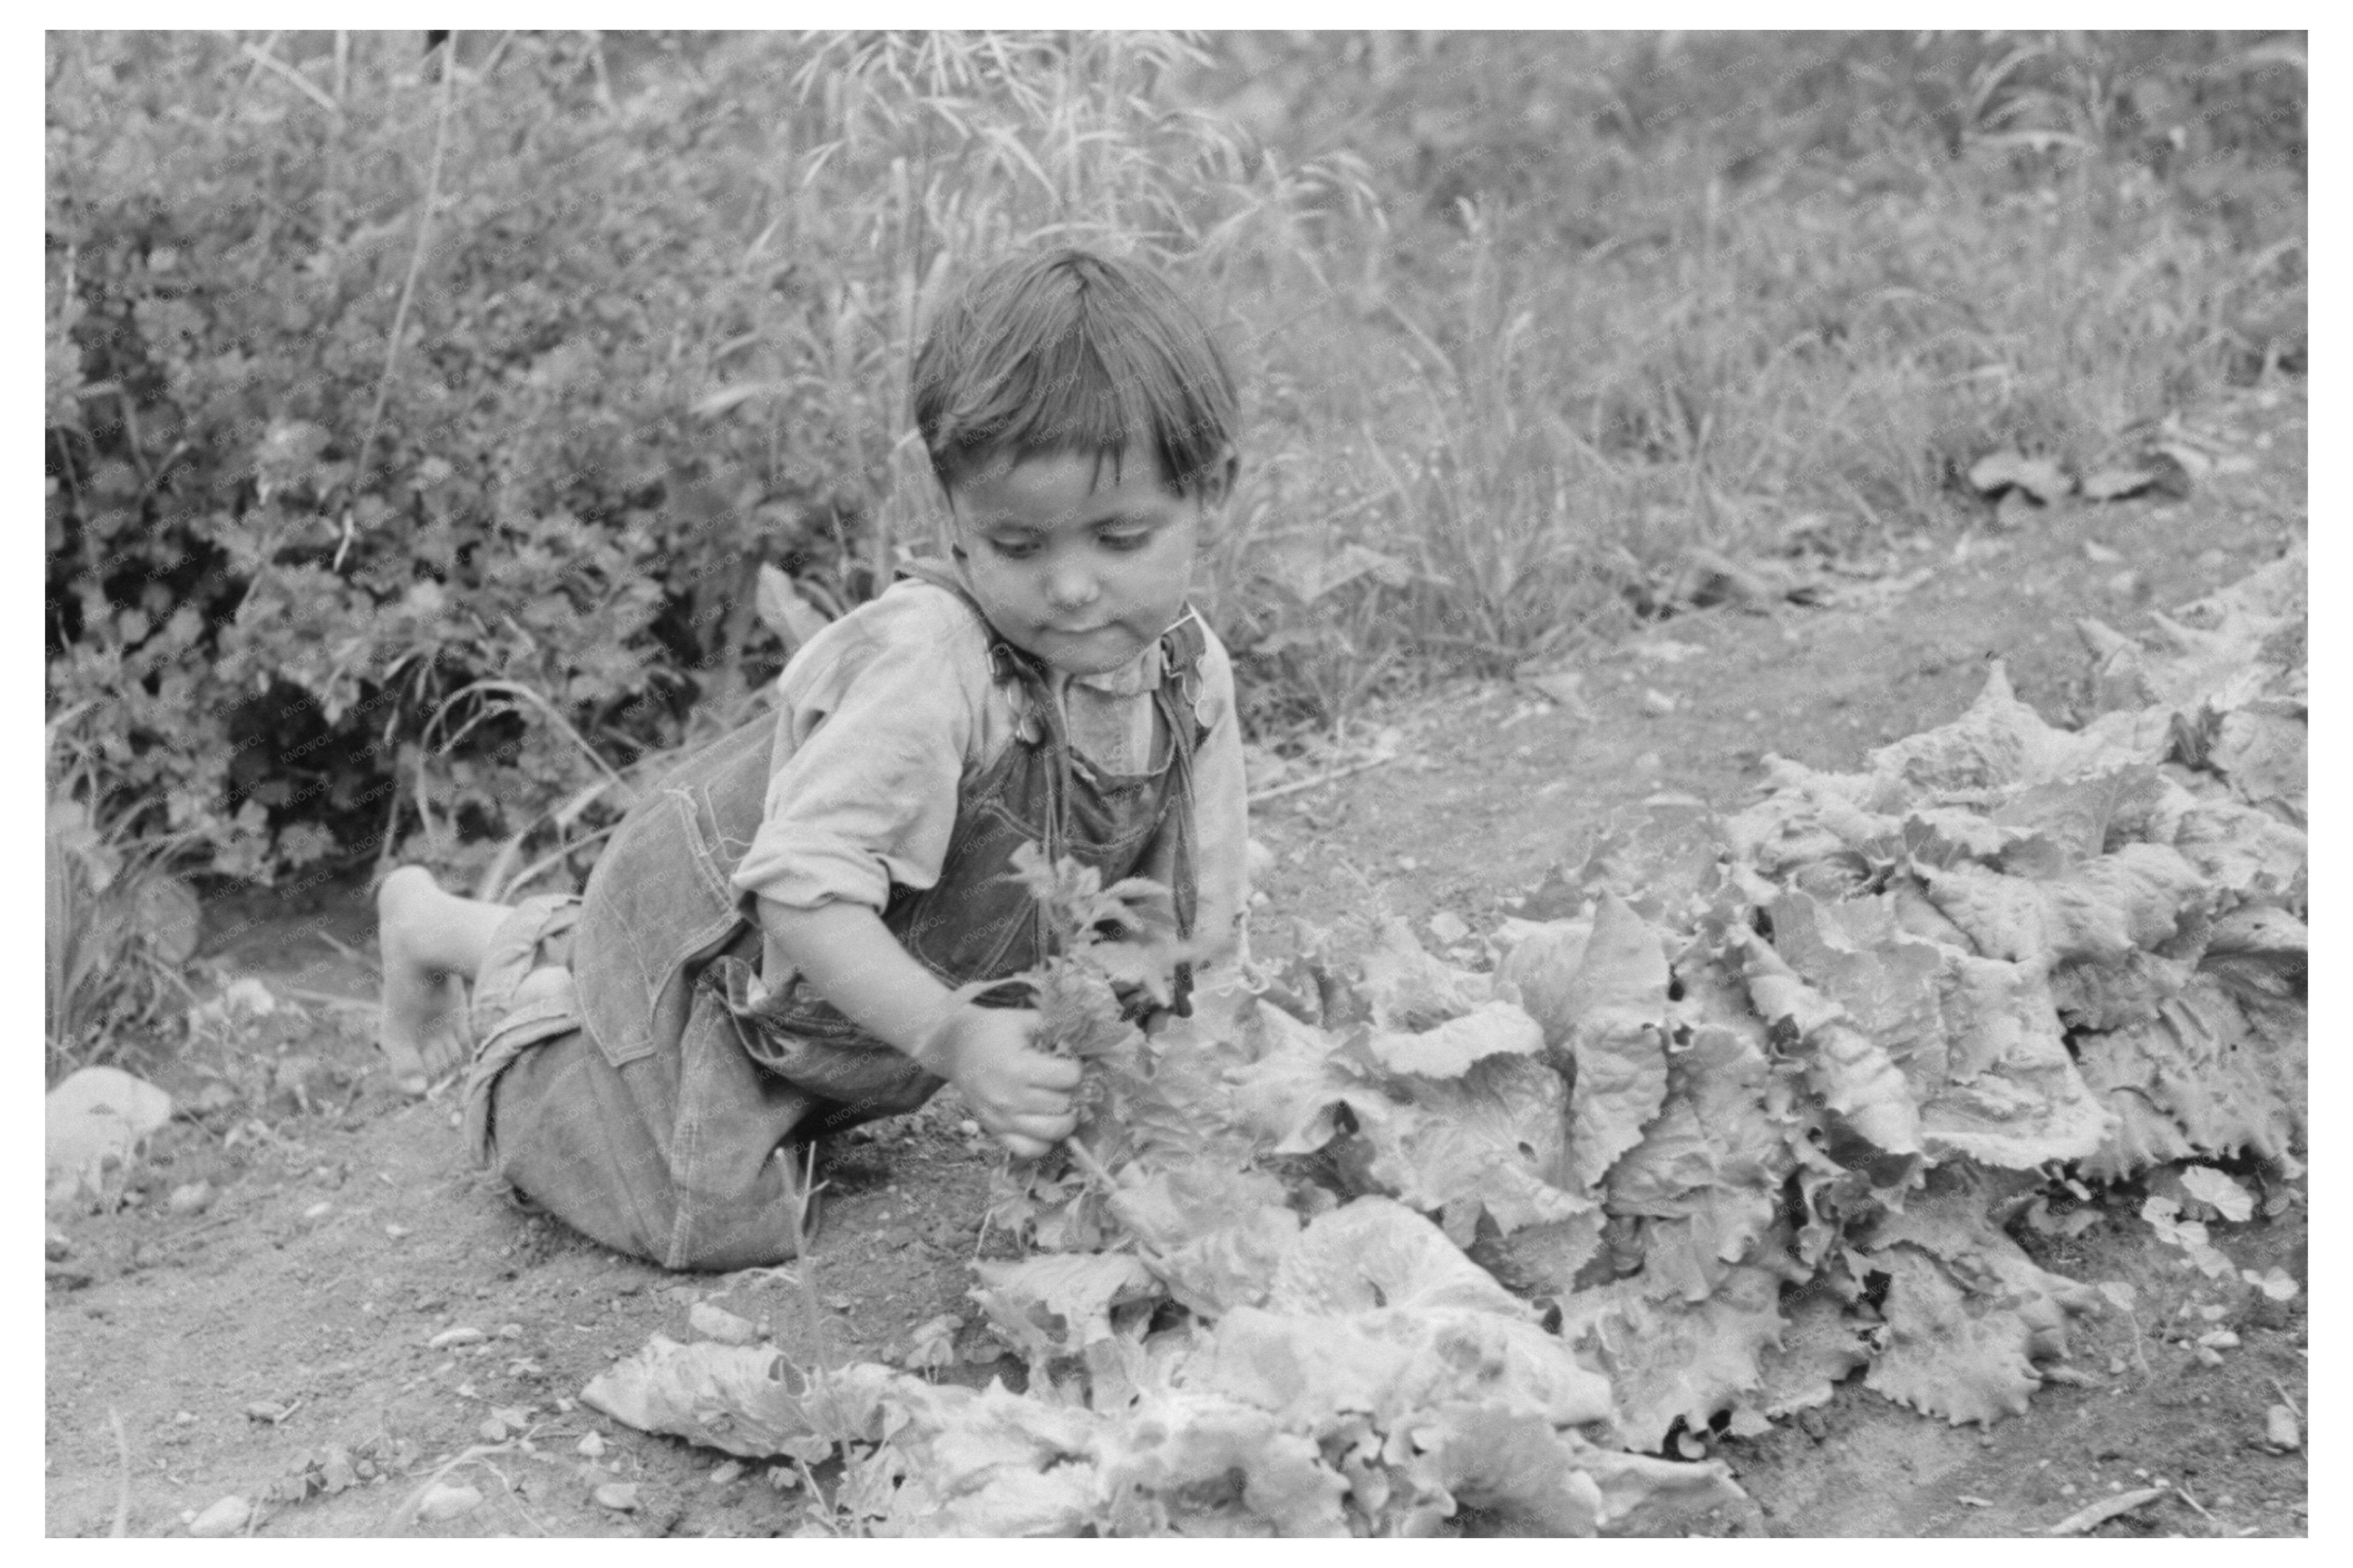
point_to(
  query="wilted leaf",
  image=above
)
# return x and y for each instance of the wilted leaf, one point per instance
(2219, 1191)
(744, 1399)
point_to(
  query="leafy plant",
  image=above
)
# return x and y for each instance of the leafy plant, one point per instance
(1410, 1248)
(118, 924)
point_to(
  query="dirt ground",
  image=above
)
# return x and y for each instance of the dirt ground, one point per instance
(273, 1339)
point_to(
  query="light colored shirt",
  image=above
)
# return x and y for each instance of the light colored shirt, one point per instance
(886, 715)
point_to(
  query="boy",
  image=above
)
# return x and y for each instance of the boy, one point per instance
(765, 951)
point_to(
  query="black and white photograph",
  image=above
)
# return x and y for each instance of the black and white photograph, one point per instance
(1116, 784)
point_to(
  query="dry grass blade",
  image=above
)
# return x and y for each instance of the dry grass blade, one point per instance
(2107, 1509)
(525, 694)
(1318, 780)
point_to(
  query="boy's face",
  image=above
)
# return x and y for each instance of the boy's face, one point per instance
(1082, 568)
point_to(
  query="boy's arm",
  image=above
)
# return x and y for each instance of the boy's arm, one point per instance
(846, 952)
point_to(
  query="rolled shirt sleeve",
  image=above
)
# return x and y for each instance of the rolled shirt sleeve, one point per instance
(877, 718)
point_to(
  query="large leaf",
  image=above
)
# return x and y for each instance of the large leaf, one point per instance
(2194, 1079)
(1167, 1470)
(1490, 1143)
(1375, 1253)
(1058, 1303)
(1617, 1009)
(1312, 1368)
(1852, 1073)
(1671, 1360)
(1215, 1234)
(1449, 1050)
(1944, 1356)
(745, 1399)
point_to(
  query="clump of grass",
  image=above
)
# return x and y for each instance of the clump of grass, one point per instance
(118, 924)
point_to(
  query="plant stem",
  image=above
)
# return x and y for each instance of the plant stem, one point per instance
(415, 259)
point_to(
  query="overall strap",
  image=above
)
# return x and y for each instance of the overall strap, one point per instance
(1182, 647)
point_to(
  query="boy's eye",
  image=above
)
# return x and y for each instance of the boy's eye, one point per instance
(1014, 549)
(1127, 538)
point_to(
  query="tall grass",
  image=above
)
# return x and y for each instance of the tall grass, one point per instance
(1709, 315)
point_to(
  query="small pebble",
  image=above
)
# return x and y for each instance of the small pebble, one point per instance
(226, 1517)
(718, 1323)
(192, 1198)
(395, 1231)
(510, 1331)
(461, 1335)
(591, 1447)
(727, 1474)
(1657, 703)
(183, 1418)
(970, 1128)
(319, 1210)
(2280, 1428)
(621, 1497)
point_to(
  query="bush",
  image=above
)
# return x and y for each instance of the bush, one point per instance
(340, 595)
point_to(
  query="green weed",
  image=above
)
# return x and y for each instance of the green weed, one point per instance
(117, 923)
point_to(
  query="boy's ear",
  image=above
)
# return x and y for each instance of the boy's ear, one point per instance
(1216, 485)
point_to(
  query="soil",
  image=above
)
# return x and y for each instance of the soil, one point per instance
(277, 1343)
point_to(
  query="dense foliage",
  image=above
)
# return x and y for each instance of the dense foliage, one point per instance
(1385, 1247)
(414, 438)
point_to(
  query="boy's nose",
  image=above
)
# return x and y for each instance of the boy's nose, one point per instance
(1070, 587)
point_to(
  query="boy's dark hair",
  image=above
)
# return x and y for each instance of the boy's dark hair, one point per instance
(1070, 352)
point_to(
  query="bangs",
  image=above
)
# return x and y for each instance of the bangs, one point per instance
(1072, 353)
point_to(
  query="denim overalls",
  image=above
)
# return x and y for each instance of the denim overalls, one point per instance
(645, 1109)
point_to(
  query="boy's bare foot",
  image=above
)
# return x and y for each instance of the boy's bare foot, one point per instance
(423, 1028)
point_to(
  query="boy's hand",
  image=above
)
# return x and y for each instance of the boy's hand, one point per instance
(1020, 1095)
